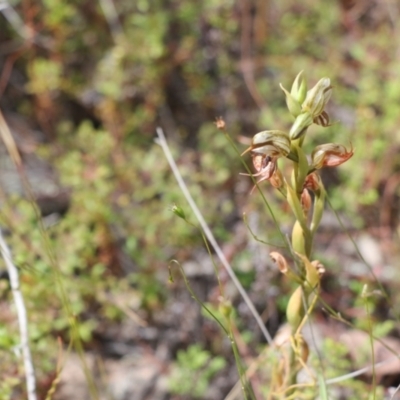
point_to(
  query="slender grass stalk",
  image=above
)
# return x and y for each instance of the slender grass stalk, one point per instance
(244, 374)
(256, 238)
(59, 367)
(23, 29)
(22, 319)
(111, 15)
(371, 339)
(210, 237)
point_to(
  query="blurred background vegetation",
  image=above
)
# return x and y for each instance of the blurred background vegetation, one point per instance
(83, 86)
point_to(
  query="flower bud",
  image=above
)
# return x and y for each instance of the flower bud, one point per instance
(177, 210)
(295, 309)
(364, 293)
(284, 268)
(313, 182)
(318, 97)
(220, 123)
(305, 350)
(312, 275)
(330, 155)
(280, 261)
(319, 205)
(305, 201)
(298, 239)
(293, 105)
(319, 267)
(301, 123)
(225, 307)
(299, 88)
(271, 143)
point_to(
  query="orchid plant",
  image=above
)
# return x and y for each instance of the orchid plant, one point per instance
(304, 184)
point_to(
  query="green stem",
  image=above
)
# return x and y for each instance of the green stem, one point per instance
(292, 372)
(302, 238)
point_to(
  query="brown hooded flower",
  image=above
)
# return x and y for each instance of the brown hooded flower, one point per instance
(306, 201)
(266, 147)
(270, 143)
(313, 182)
(330, 155)
(264, 165)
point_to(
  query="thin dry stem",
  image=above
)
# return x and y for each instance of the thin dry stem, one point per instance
(9, 142)
(22, 29)
(110, 12)
(22, 319)
(164, 145)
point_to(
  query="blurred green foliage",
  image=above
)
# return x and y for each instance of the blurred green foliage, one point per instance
(334, 362)
(193, 370)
